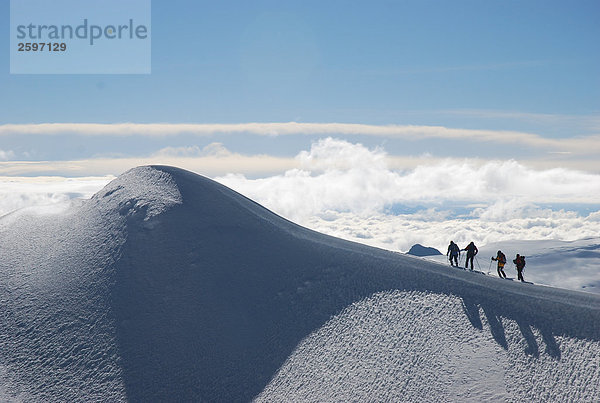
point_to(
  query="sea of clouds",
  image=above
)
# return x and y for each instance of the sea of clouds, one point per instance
(348, 190)
(42, 192)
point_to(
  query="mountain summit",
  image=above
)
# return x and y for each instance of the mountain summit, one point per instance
(166, 285)
(420, 250)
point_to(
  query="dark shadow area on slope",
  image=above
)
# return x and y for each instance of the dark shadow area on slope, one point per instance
(532, 345)
(525, 321)
(495, 322)
(471, 309)
(213, 297)
(552, 348)
(210, 299)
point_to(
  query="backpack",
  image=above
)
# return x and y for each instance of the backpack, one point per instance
(502, 258)
(471, 249)
(520, 262)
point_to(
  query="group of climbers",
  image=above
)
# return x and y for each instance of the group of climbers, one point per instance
(454, 253)
(454, 250)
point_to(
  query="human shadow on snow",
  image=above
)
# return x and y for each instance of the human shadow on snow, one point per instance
(525, 321)
(532, 344)
(495, 322)
(471, 310)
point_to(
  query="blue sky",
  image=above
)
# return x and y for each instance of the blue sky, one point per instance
(522, 66)
(379, 62)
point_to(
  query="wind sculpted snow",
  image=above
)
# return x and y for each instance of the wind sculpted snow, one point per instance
(168, 286)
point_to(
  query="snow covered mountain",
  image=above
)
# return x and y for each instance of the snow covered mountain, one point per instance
(167, 286)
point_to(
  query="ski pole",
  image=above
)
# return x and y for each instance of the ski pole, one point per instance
(477, 261)
(490, 268)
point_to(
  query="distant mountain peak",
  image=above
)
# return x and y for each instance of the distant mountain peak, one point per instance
(420, 250)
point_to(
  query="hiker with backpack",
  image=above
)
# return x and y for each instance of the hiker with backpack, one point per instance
(471, 252)
(501, 262)
(453, 252)
(519, 261)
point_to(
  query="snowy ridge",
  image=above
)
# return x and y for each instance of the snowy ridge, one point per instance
(363, 354)
(169, 286)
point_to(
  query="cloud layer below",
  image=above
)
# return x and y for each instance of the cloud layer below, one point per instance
(41, 192)
(348, 190)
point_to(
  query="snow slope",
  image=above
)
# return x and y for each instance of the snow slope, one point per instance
(168, 286)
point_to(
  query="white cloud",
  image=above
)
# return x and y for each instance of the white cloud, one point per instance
(400, 232)
(20, 192)
(344, 189)
(337, 175)
(211, 150)
(595, 216)
(6, 155)
(590, 122)
(336, 155)
(209, 163)
(584, 145)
